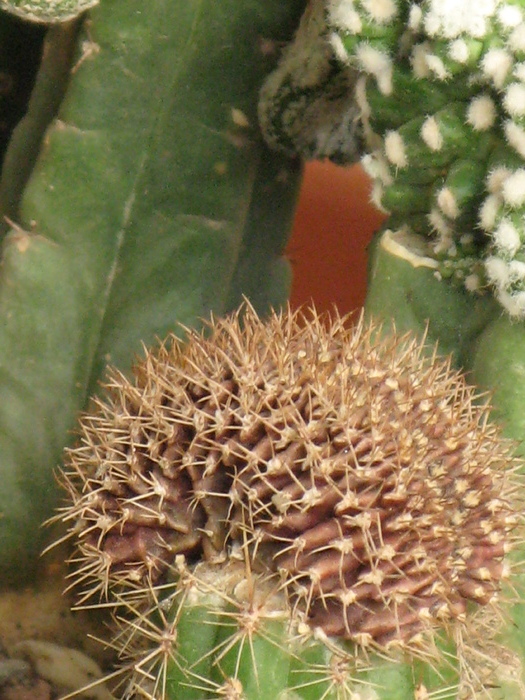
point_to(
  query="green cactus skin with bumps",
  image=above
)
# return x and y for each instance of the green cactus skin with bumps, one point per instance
(149, 203)
(441, 97)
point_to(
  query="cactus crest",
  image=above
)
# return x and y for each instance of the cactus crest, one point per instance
(358, 475)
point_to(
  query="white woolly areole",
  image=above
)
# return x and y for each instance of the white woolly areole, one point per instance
(343, 16)
(450, 18)
(495, 65)
(448, 203)
(516, 137)
(431, 134)
(513, 189)
(458, 51)
(516, 40)
(497, 272)
(379, 64)
(437, 66)
(506, 238)
(381, 11)
(513, 303)
(519, 71)
(395, 149)
(514, 99)
(489, 212)
(376, 167)
(516, 271)
(481, 113)
(418, 59)
(496, 178)
(415, 16)
(472, 282)
(509, 16)
(438, 224)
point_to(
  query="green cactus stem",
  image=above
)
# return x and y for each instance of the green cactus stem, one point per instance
(441, 95)
(436, 98)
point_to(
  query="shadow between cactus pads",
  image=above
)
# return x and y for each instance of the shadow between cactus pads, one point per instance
(349, 486)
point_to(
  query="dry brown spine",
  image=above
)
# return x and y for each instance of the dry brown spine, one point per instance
(360, 469)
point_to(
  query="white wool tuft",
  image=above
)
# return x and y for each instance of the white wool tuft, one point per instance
(481, 113)
(395, 149)
(379, 64)
(448, 203)
(516, 137)
(516, 39)
(509, 16)
(497, 272)
(495, 66)
(513, 189)
(514, 303)
(418, 60)
(381, 11)
(415, 17)
(345, 17)
(507, 238)
(496, 178)
(514, 99)
(489, 212)
(516, 271)
(436, 66)
(458, 51)
(519, 71)
(450, 18)
(472, 282)
(431, 134)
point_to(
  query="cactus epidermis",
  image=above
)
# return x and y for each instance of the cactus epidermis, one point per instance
(356, 479)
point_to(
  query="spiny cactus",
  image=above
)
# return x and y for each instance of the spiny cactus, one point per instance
(352, 485)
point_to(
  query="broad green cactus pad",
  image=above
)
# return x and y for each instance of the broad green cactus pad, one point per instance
(356, 481)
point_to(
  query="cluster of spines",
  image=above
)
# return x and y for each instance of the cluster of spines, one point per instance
(358, 470)
(443, 100)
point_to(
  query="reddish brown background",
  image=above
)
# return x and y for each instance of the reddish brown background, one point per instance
(333, 224)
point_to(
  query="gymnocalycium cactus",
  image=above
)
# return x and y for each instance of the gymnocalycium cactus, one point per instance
(294, 508)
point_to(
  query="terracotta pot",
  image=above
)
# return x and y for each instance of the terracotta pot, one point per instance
(333, 225)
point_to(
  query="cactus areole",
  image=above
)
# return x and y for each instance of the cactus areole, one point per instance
(356, 478)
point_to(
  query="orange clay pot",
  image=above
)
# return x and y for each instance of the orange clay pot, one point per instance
(333, 224)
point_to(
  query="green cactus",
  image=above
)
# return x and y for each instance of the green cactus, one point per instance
(148, 204)
(447, 158)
